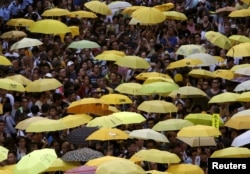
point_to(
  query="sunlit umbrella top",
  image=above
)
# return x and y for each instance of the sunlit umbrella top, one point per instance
(25, 43)
(174, 15)
(232, 152)
(82, 14)
(98, 7)
(83, 44)
(185, 168)
(42, 85)
(164, 7)
(184, 63)
(20, 22)
(201, 73)
(224, 98)
(11, 85)
(131, 9)
(4, 61)
(13, 34)
(117, 5)
(198, 131)
(116, 99)
(133, 62)
(56, 12)
(188, 92)
(108, 134)
(186, 50)
(218, 39)
(19, 78)
(240, 50)
(3, 153)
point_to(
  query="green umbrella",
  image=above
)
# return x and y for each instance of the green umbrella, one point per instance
(202, 119)
(83, 44)
(158, 88)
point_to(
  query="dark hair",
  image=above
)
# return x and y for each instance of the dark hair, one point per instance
(34, 109)
(7, 107)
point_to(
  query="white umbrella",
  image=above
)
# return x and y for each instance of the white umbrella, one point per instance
(242, 139)
(243, 71)
(198, 141)
(244, 86)
(118, 5)
(26, 43)
(148, 134)
(207, 59)
(245, 113)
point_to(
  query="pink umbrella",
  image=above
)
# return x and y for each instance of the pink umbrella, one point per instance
(81, 170)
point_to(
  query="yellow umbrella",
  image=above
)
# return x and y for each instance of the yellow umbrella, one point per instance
(108, 134)
(225, 10)
(88, 105)
(187, 50)
(244, 97)
(157, 106)
(43, 85)
(232, 152)
(8, 169)
(158, 79)
(105, 122)
(236, 67)
(60, 165)
(3, 153)
(198, 131)
(224, 74)
(156, 172)
(243, 71)
(99, 161)
(158, 88)
(13, 34)
(129, 88)
(133, 62)
(116, 99)
(11, 85)
(129, 117)
(74, 30)
(49, 26)
(164, 7)
(225, 98)
(124, 166)
(4, 61)
(188, 92)
(244, 113)
(198, 142)
(171, 125)
(36, 161)
(148, 15)
(174, 15)
(72, 121)
(201, 73)
(98, 7)
(148, 134)
(46, 125)
(206, 59)
(239, 38)
(118, 53)
(108, 57)
(146, 75)
(201, 119)
(156, 156)
(240, 13)
(25, 43)
(219, 59)
(82, 14)
(22, 125)
(20, 22)
(238, 123)
(240, 50)
(19, 78)
(130, 10)
(56, 12)
(183, 63)
(218, 39)
(185, 169)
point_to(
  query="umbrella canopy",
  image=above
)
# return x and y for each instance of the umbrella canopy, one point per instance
(18, 78)
(198, 142)
(187, 50)
(124, 166)
(236, 67)
(118, 5)
(171, 125)
(232, 152)
(99, 161)
(49, 26)
(43, 85)
(129, 88)
(225, 10)
(174, 15)
(244, 86)
(240, 50)
(129, 117)
(240, 13)
(22, 125)
(118, 53)
(164, 7)
(26, 43)
(79, 155)
(242, 139)
(45, 125)
(108, 134)
(157, 106)
(146, 75)
(116, 99)
(156, 156)
(105, 122)
(3, 153)
(157, 79)
(239, 38)
(56, 12)
(148, 134)
(11, 85)
(218, 39)
(238, 123)
(20, 22)
(98, 7)
(148, 15)
(60, 165)
(244, 113)
(36, 161)
(13, 34)
(184, 63)
(4, 61)
(198, 131)
(243, 71)
(225, 98)
(108, 57)
(82, 14)
(78, 136)
(188, 92)
(130, 10)
(71, 121)
(224, 74)
(133, 62)
(84, 43)
(185, 169)
(206, 59)
(81, 170)
(87, 105)
(201, 73)
(202, 119)
(158, 88)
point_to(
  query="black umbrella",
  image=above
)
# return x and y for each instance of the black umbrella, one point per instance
(79, 135)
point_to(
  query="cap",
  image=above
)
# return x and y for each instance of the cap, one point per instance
(48, 75)
(70, 63)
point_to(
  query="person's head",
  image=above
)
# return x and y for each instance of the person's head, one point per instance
(52, 111)
(65, 147)
(131, 146)
(7, 108)
(216, 83)
(34, 109)
(2, 125)
(21, 141)
(150, 144)
(150, 122)
(24, 102)
(12, 157)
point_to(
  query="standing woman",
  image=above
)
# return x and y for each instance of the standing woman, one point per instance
(21, 147)
(9, 128)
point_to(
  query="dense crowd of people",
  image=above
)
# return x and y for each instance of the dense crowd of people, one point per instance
(83, 76)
